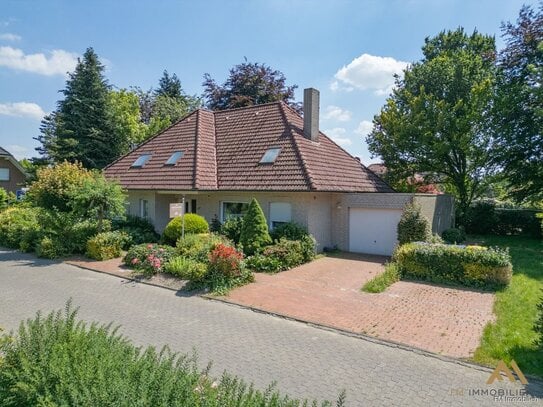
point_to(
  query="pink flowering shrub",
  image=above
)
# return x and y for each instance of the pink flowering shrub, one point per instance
(148, 258)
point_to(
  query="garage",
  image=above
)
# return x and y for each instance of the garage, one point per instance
(373, 231)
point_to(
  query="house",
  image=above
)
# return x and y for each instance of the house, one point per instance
(12, 174)
(419, 182)
(216, 162)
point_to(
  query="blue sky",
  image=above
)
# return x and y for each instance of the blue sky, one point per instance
(349, 50)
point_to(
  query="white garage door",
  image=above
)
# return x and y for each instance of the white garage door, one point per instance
(373, 231)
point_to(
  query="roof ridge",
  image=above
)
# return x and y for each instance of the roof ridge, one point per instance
(307, 173)
(152, 138)
(246, 107)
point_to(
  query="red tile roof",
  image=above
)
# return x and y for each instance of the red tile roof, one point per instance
(222, 151)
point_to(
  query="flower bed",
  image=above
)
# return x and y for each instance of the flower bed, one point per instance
(474, 266)
(148, 258)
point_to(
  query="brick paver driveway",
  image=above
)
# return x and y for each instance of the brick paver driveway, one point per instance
(305, 361)
(327, 291)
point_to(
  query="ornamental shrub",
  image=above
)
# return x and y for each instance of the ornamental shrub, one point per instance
(106, 245)
(149, 258)
(413, 226)
(6, 199)
(283, 255)
(254, 232)
(467, 265)
(264, 264)
(57, 360)
(226, 261)
(139, 229)
(193, 224)
(454, 235)
(186, 269)
(289, 230)
(198, 247)
(51, 248)
(232, 229)
(19, 228)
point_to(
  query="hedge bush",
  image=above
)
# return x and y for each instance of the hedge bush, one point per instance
(19, 228)
(289, 230)
(198, 247)
(467, 265)
(232, 229)
(107, 245)
(148, 258)
(484, 217)
(56, 360)
(254, 231)
(413, 226)
(193, 224)
(51, 248)
(139, 229)
(186, 269)
(283, 255)
(454, 235)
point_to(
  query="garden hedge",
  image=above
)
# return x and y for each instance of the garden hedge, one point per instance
(193, 224)
(474, 266)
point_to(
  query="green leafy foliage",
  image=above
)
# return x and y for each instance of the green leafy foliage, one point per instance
(382, 281)
(436, 122)
(248, 84)
(283, 255)
(254, 232)
(139, 229)
(198, 246)
(413, 226)
(226, 269)
(454, 235)
(6, 199)
(186, 268)
(107, 245)
(56, 360)
(538, 327)
(475, 266)
(193, 224)
(289, 230)
(148, 258)
(232, 229)
(215, 225)
(51, 248)
(19, 228)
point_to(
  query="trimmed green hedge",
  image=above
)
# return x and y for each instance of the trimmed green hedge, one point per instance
(193, 224)
(106, 245)
(474, 266)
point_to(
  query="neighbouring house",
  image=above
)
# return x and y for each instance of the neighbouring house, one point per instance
(216, 162)
(12, 174)
(419, 182)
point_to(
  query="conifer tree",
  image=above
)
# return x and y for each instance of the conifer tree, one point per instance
(254, 232)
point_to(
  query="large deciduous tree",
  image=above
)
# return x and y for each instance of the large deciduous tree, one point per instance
(81, 128)
(437, 120)
(248, 84)
(519, 104)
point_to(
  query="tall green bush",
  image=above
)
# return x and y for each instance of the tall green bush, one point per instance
(19, 228)
(232, 229)
(413, 226)
(56, 360)
(193, 224)
(254, 232)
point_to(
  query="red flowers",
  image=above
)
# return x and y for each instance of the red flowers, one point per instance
(226, 260)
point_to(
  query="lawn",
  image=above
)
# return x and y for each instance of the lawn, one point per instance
(512, 335)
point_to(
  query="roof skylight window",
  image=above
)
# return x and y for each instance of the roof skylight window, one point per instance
(270, 155)
(176, 156)
(141, 160)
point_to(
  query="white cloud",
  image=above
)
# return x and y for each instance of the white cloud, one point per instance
(369, 72)
(364, 128)
(10, 37)
(337, 113)
(22, 109)
(19, 152)
(57, 63)
(338, 135)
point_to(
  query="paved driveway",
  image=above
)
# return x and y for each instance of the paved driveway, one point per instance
(326, 291)
(305, 361)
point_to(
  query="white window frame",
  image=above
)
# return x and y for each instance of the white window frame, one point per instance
(5, 174)
(280, 219)
(227, 202)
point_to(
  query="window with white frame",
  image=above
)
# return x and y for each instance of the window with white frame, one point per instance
(280, 212)
(4, 174)
(231, 210)
(144, 208)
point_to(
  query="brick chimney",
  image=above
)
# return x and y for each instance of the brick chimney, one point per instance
(311, 114)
